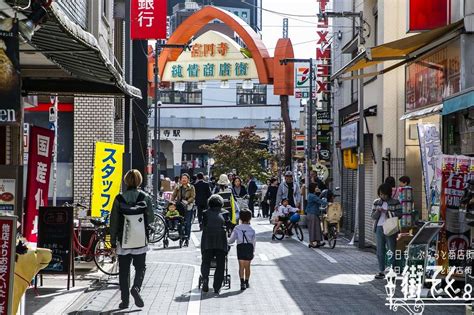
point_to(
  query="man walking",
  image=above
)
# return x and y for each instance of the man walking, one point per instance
(290, 190)
(203, 192)
(252, 191)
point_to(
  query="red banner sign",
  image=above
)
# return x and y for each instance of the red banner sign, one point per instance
(148, 19)
(37, 183)
(428, 15)
(7, 259)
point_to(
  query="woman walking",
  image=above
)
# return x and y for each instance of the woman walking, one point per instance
(238, 189)
(384, 208)
(244, 234)
(184, 196)
(271, 194)
(132, 200)
(313, 211)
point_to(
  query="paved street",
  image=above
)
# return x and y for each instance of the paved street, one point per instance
(287, 278)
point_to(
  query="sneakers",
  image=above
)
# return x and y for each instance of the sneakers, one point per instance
(205, 285)
(135, 292)
(380, 275)
(123, 305)
(217, 291)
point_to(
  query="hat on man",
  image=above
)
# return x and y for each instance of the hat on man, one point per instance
(289, 173)
(223, 180)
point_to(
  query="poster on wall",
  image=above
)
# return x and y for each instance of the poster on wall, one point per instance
(455, 236)
(7, 195)
(107, 177)
(37, 182)
(430, 151)
(10, 104)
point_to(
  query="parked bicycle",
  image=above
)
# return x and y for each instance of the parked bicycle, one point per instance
(98, 248)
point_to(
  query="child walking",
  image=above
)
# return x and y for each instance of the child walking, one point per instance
(244, 234)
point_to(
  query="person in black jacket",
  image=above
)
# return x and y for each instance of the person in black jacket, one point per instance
(214, 242)
(203, 192)
(238, 189)
(252, 191)
(272, 194)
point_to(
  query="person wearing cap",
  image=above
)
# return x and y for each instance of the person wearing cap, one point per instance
(290, 190)
(223, 189)
(214, 242)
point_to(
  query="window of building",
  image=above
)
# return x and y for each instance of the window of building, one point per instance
(257, 95)
(191, 95)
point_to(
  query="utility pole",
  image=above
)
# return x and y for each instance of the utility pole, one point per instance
(156, 130)
(360, 209)
(157, 118)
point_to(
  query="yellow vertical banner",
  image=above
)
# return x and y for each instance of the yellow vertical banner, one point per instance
(107, 177)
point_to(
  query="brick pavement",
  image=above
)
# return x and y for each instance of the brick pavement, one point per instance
(287, 278)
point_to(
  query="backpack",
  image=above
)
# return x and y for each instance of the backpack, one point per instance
(135, 225)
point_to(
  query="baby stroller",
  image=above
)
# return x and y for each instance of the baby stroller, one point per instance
(174, 231)
(226, 272)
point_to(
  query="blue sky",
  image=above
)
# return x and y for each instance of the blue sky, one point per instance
(302, 30)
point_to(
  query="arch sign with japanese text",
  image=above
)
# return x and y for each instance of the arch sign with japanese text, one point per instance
(213, 56)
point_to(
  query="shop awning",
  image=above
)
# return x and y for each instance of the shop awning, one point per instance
(77, 52)
(459, 102)
(405, 49)
(422, 112)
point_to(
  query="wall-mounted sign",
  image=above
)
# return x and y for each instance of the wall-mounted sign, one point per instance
(213, 56)
(7, 195)
(10, 104)
(433, 77)
(427, 15)
(349, 135)
(148, 19)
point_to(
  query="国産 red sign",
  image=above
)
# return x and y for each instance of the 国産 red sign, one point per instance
(148, 19)
(37, 183)
(7, 258)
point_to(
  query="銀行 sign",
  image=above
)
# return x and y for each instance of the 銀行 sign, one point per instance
(148, 19)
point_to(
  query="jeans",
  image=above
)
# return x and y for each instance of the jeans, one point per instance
(207, 256)
(188, 218)
(124, 273)
(382, 242)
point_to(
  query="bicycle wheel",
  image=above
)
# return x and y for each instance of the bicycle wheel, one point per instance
(105, 257)
(158, 229)
(278, 234)
(299, 232)
(332, 235)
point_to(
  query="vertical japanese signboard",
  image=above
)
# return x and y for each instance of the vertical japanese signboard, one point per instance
(323, 66)
(148, 19)
(107, 177)
(7, 262)
(10, 111)
(37, 182)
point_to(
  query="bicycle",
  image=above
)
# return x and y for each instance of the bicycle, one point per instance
(98, 249)
(280, 233)
(158, 228)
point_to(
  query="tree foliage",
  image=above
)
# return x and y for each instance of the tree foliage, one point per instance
(243, 153)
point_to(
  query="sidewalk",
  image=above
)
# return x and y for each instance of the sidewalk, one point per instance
(287, 278)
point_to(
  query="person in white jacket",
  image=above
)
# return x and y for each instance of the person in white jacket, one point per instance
(245, 236)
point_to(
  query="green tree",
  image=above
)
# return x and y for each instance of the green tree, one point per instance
(243, 153)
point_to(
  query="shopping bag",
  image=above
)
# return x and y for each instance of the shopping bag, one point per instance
(390, 225)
